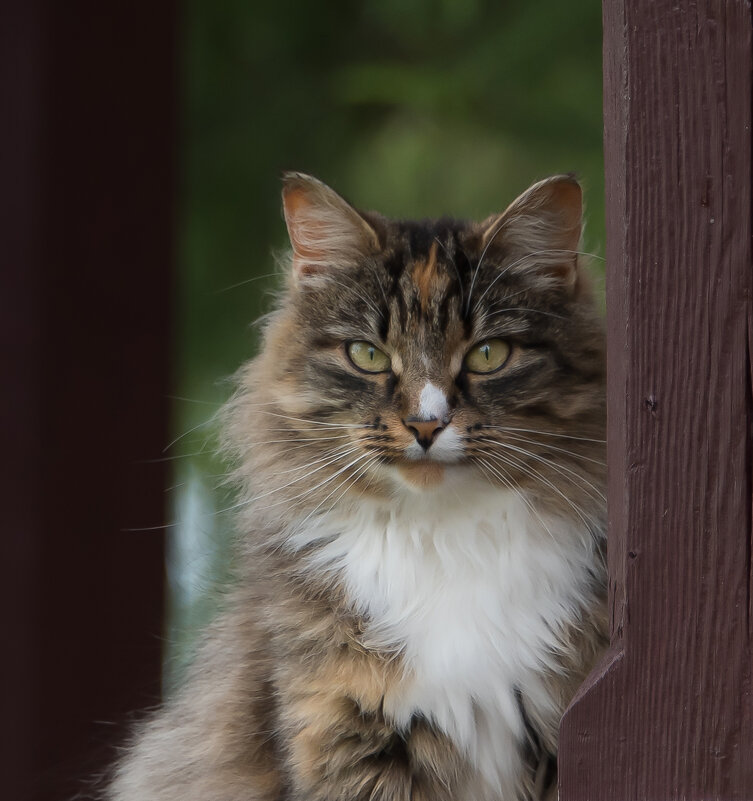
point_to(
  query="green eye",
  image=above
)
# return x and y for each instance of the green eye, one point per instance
(368, 357)
(487, 356)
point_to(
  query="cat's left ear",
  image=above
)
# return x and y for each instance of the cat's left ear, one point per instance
(326, 232)
(540, 231)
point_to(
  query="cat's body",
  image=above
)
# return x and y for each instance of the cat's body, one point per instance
(421, 581)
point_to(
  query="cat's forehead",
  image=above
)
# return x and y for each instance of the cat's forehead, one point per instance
(429, 262)
(428, 269)
(443, 240)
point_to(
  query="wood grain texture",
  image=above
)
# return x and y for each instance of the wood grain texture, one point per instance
(669, 713)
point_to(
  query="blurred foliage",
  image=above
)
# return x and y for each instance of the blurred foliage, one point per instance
(417, 108)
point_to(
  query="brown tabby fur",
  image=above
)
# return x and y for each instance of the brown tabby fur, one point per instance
(285, 700)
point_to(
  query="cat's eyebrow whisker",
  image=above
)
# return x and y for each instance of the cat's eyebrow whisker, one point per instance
(545, 433)
(379, 284)
(358, 294)
(548, 252)
(478, 267)
(507, 269)
(523, 309)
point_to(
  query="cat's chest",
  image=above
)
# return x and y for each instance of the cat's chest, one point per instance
(472, 595)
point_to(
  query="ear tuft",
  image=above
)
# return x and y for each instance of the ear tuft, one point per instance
(326, 232)
(544, 223)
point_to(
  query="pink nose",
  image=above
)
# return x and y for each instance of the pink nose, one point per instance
(425, 431)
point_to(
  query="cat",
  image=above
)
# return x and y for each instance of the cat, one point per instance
(419, 454)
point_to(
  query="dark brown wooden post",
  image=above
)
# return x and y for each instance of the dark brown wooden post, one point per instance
(669, 714)
(86, 227)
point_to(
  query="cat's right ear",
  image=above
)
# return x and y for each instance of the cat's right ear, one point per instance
(326, 232)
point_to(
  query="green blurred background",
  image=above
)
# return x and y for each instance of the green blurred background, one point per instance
(416, 108)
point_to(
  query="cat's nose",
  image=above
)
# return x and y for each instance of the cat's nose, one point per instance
(425, 431)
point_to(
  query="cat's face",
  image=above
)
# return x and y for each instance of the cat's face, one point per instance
(408, 353)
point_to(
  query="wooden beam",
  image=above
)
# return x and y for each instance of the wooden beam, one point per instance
(669, 714)
(86, 225)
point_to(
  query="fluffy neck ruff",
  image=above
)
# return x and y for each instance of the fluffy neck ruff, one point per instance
(474, 589)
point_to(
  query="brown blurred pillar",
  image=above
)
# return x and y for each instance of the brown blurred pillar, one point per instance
(669, 715)
(87, 135)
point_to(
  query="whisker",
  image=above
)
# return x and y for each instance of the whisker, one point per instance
(551, 447)
(507, 481)
(561, 469)
(348, 480)
(247, 281)
(332, 459)
(151, 528)
(478, 267)
(359, 295)
(531, 472)
(191, 400)
(299, 439)
(523, 309)
(336, 452)
(320, 422)
(300, 495)
(520, 261)
(174, 458)
(545, 433)
(379, 284)
(177, 439)
(299, 430)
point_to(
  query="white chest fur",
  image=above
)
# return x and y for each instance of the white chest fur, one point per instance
(473, 591)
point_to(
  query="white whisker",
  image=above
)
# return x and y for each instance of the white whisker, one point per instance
(177, 439)
(348, 481)
(507, 481)
(551, 447)
(246, 281)
(559, 468)
(536, 475)
(319, 422)
(302, 494)
(520, 261)
(545, 433)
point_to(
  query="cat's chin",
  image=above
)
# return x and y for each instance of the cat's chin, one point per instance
(422, 474)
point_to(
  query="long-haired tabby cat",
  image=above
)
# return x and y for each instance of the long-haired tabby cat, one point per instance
(419, 451)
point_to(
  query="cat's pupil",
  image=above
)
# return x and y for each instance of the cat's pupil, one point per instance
(371, 354)
(486, 349)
